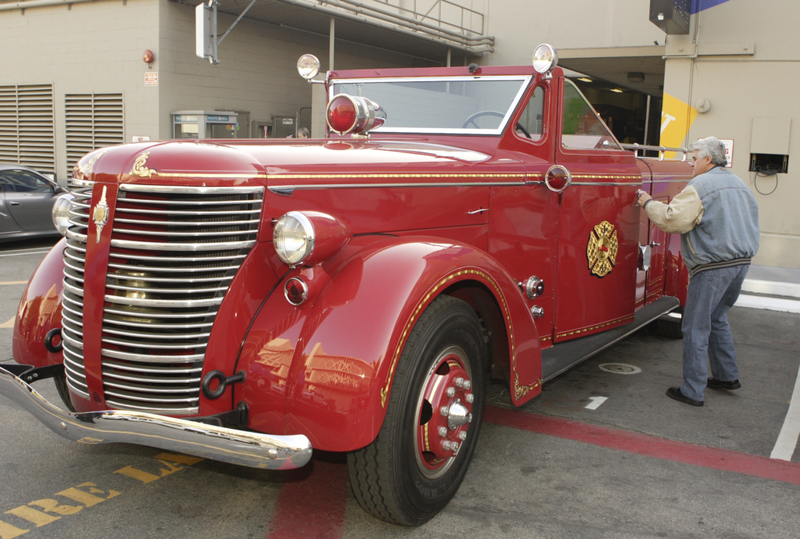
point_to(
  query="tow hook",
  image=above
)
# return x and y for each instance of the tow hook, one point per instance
(224, 382)
(53, 335)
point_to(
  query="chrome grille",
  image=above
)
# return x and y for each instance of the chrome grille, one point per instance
(174, 252)
(72, 304)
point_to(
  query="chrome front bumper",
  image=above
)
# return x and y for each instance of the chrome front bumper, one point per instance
(233, 446)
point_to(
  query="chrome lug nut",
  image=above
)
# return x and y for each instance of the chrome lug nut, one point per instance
(462, 435)
(445, 411)
(447, 446)
(442, 431)
(454, 446)
(467, 385)
(459, 382)
(470, 398)
(469, 418)
(451, 392)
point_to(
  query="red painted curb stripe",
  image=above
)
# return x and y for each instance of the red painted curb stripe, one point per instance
(642, 444)
(311, 505)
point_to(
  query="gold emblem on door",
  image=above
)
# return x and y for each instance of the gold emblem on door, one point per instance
(601, 251)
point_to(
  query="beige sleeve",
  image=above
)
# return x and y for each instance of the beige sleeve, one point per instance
(679, 216)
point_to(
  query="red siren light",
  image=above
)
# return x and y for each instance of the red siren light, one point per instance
(353, 114)
(342, 114)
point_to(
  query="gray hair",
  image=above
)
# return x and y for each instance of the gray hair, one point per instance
(711, 147)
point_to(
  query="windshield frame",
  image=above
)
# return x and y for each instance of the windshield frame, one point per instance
(525, 81)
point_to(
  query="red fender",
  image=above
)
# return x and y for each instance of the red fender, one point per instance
(40, 311)
(325, 369)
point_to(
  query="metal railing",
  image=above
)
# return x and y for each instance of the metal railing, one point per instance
(660, 149)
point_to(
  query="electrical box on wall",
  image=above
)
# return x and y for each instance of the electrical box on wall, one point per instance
(769, 145)
(672, 16)
(769, 163)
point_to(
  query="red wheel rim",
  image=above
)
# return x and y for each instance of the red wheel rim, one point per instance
(444, 411)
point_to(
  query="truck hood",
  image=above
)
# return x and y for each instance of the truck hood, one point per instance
(253, 161)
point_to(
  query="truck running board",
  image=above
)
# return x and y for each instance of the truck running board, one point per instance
(563, 356)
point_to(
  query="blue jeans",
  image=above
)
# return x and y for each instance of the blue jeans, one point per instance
(706, 332)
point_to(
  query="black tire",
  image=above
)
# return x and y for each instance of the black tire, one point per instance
(63, 391)
(407, 475)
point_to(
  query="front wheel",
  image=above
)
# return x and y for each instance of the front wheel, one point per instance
(417, 462)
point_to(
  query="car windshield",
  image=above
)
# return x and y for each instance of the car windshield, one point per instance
(468, 105)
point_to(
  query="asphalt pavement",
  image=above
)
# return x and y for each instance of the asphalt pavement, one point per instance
(601, 453)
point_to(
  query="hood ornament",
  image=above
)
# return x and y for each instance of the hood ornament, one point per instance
(100, 214)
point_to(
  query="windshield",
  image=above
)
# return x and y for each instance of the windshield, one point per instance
(464, 105)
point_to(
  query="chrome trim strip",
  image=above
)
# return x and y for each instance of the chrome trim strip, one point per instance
(157, 269)
(164, 290)
(158, 258)
(71, 384)
(162, 336)
(138, 278)
(182, 190)
(138, 314)
(276, 189)
(127, 323)
(193, 247)
(155, 390)
(150, 369)
(151, 358)
(606, 184)
(242, 448)
(173, 234)
(73, 289)
(122, 300)
(152, 409)
(189, 212)
(81, 238)
(186, 223)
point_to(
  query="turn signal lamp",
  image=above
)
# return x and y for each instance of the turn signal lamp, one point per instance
(308, 237)
(353, 114)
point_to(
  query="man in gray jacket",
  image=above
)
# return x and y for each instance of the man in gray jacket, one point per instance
(717, 217)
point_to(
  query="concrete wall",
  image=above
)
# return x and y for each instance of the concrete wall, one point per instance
(91, 48)
(744, 59)
(519, 26)
(257, 70)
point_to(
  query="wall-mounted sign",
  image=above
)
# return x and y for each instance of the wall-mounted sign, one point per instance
(151, 78)
(140, 138)
(728, 151)
(210, 118)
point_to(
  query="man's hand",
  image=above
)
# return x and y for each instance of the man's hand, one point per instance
(642, 198)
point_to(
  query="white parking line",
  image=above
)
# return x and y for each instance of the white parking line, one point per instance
(9, 324)
(787, 439)
(596, 402)
(13, 282)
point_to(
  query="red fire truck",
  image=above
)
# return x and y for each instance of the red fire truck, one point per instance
(248, 301)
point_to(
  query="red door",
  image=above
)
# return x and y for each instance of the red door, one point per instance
(598, 235)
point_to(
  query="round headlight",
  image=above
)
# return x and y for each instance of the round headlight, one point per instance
(545, 58)
(61, 213)
(308, 66)
(293, 237)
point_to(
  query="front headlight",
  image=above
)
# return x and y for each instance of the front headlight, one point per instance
(294, 238)
(61, 213)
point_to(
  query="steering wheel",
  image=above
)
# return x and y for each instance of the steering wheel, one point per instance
(473, 117)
